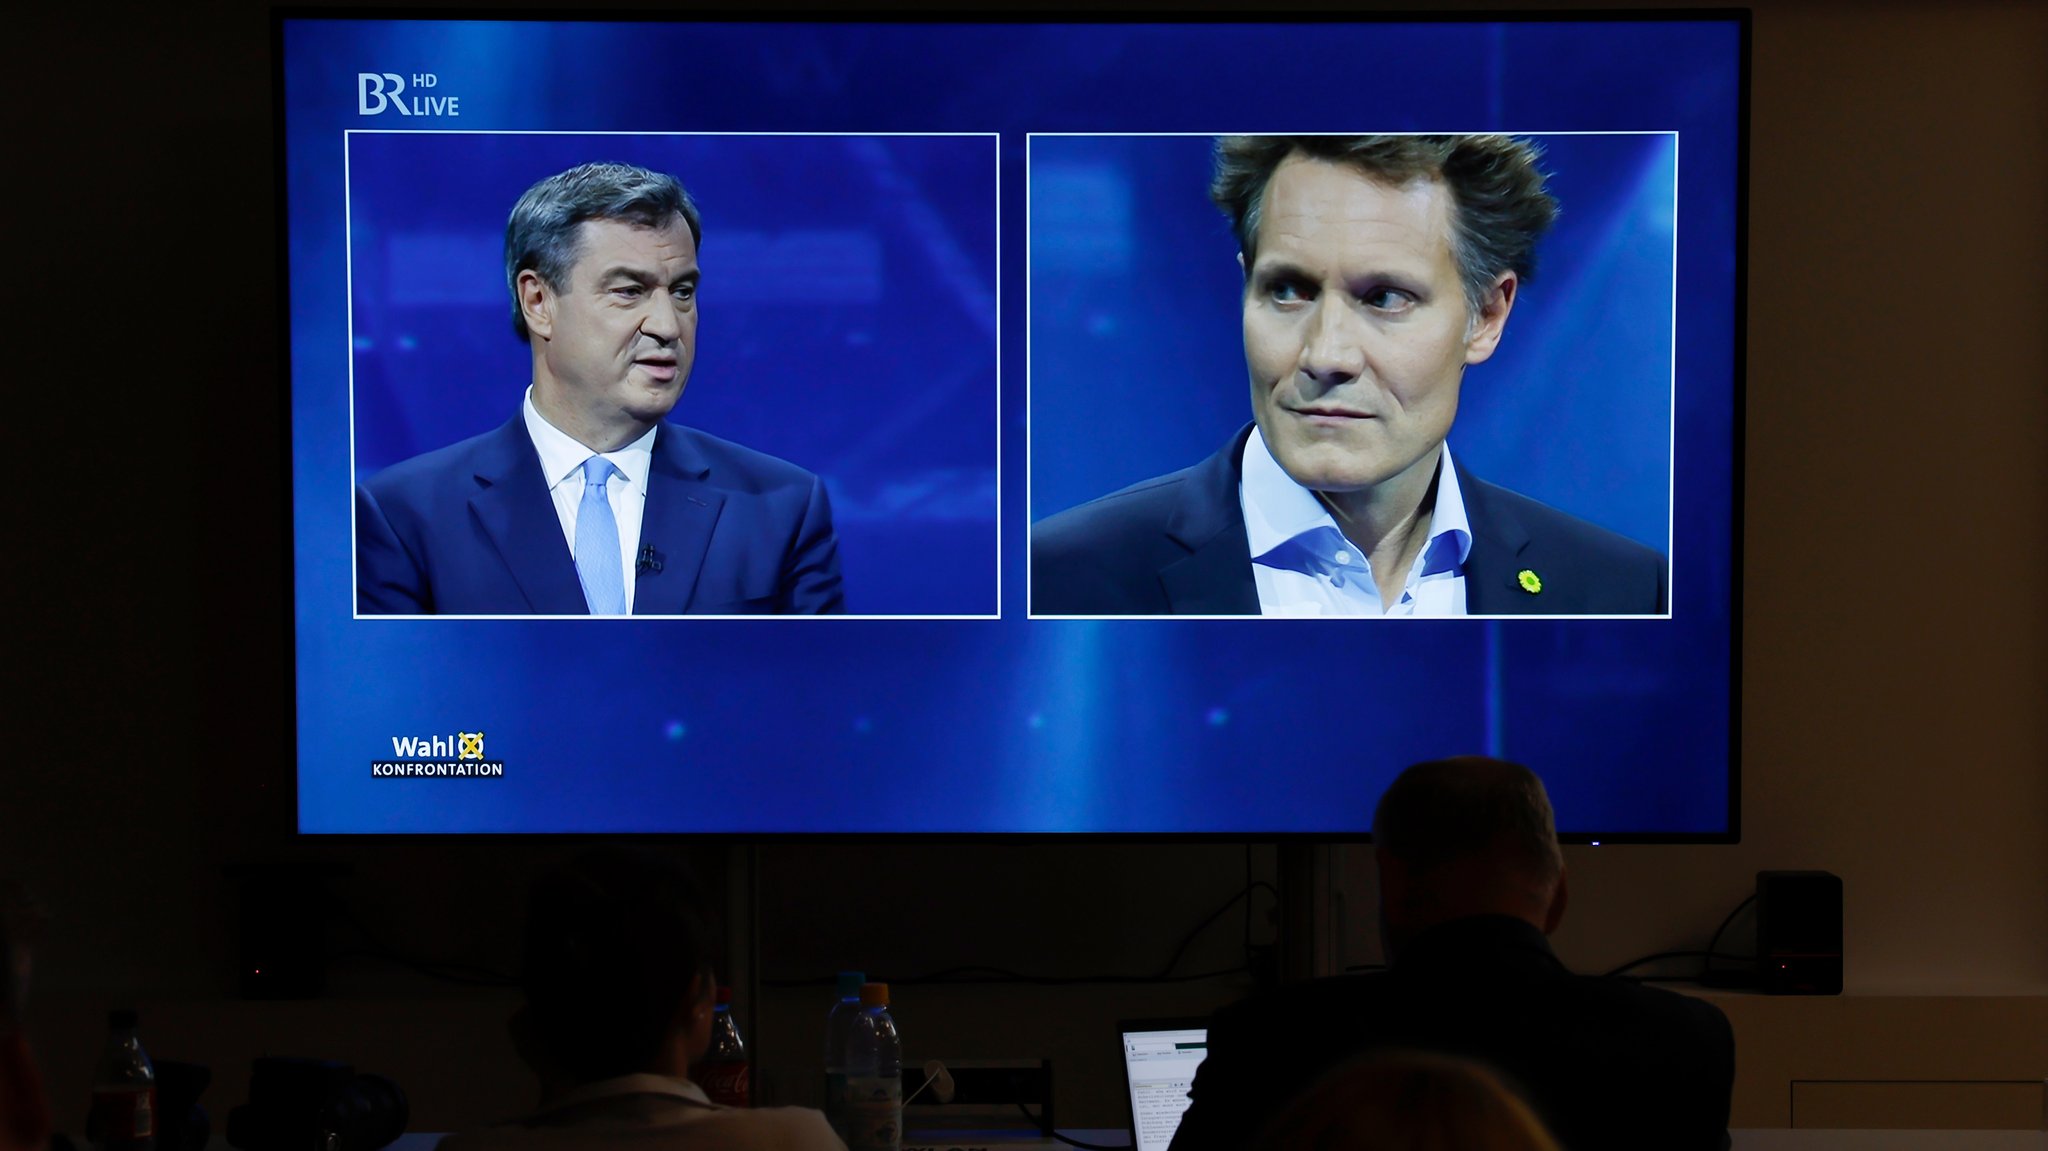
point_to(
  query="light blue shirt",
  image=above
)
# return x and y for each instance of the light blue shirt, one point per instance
(561, 463)
(1304, 565)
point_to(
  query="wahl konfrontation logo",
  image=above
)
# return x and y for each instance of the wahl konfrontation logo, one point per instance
(457, 756)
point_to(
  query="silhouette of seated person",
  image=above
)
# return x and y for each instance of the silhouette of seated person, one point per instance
(1406, 1101)
(1471, 883)
(24, 1106)
(619, 998)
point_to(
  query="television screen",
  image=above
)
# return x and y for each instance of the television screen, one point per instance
(1128, 429)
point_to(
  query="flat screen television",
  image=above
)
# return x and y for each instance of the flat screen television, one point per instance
(966, 343)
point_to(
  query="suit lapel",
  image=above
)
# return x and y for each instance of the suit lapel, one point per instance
(1216, 576)
(514, 509)
(1498, 540)
(682, 509)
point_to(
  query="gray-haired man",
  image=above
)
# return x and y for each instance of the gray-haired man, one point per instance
(588, 501)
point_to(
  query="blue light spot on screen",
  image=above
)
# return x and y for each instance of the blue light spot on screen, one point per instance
(1102, 324)
(365, 344)
(1217, 716)
(408, 344)
(675, 730)
(863, 725)
(1659, 207)
(1036, 722)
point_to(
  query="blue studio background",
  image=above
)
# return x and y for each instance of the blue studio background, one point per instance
(849, 285)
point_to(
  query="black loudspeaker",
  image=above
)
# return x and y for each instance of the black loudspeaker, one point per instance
(1798, 933)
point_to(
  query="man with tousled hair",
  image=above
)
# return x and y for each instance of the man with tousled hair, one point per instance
(619, 986)
(1471, 882)
(1376, 270)
(588, 501)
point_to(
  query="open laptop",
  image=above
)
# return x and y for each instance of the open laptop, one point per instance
(1160, 1057)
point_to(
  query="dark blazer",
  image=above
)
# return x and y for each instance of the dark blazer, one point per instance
(471, 530)
(1176, 545)
(1607, 1063)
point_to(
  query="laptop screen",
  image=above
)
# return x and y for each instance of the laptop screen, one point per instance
(1160, 1057)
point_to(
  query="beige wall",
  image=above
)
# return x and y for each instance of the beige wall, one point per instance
(1895, 647)
(1895, 652)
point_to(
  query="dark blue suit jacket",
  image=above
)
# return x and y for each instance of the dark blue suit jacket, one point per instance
(471, 530)
(1176, 545)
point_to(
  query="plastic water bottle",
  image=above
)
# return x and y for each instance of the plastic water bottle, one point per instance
(723, 1072)
(838, 1028)
(874, 1075)
(123, 1115)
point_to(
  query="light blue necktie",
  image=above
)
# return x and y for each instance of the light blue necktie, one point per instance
(597, 543)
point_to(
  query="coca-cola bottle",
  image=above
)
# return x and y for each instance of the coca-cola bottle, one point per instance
(723, 1072)
(123, 1115)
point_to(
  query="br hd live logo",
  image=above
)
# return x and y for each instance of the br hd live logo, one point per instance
(379, 92)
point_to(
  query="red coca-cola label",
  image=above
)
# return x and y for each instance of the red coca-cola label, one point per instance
(122, 1116)
(725, 1083)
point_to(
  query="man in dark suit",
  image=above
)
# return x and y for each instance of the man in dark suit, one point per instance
(587, 501)
(1471, 881)
(1376, 269)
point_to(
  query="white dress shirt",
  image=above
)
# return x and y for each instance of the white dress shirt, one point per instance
(1304, 565)
(561, 462)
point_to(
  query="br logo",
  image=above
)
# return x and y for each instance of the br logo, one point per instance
(378, 91)
(469, 745)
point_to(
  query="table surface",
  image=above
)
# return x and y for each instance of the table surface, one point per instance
(1785, 1139)
(1746, 1139)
